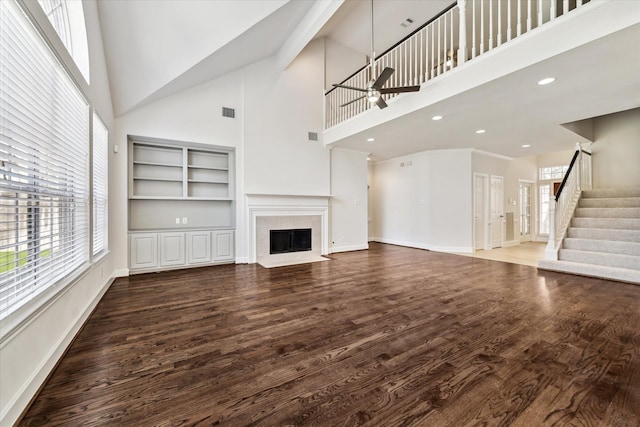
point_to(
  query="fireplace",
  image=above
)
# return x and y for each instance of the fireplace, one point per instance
(293, 240)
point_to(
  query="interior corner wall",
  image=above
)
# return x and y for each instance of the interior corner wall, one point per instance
(424, 200)
(30, 352)
(281, 108)
(616, 150)
(370, 201)
(348, 203)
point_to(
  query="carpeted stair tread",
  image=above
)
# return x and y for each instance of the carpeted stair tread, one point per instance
(600, 258)
(612, 192)
(604, 234)
(609, 202)
(599, 271)
(608, 246)
(607, 213)
(611, 223)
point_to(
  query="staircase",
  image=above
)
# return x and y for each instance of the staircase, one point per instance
(603, 239)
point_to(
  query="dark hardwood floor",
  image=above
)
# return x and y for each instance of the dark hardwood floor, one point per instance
(387, 337)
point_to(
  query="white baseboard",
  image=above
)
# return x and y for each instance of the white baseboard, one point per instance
(511, 243)
(349, 248)
(419, 245)
(123, 272)
(21, 400)
(242, 260)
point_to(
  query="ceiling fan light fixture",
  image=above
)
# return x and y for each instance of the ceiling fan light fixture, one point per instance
(373, 95)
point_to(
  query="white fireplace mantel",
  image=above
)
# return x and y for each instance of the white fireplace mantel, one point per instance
(286, 205)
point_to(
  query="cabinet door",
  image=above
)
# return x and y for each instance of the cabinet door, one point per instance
(223, 245)
(171, 249)
(143, 250)
(198, 247)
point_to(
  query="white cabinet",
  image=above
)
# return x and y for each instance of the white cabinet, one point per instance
(155, 251)
(171, 249)
(223, 247)
(143, 250)
(198, 247)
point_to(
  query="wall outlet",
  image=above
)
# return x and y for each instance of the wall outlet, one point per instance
(177, 220)
(184, 220)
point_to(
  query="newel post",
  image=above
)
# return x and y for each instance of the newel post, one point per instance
(462, 48)
(550, 251)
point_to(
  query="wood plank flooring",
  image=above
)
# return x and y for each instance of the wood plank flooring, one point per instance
(387, 337)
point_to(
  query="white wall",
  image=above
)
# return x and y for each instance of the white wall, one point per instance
(616, 150)
(424, 200)
(340, 62)
(348, 203)
(30, 352)
(280, 109)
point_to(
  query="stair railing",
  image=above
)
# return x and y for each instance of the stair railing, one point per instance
(564, 202)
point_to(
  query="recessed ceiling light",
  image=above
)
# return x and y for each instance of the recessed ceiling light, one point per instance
(526, 145)
(368, 158)
(436, 118)
(480, 131)
(547, 81)
(370, 139)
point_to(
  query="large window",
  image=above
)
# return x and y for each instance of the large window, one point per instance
(100, 150)
(44, 159)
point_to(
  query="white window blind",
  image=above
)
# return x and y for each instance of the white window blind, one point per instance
(100, 159)
(44, 139)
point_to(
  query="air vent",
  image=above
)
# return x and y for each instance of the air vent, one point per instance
(228, 112)
(406, 22)
(313, 136)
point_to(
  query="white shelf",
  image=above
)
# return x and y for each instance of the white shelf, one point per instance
(204, 181)
(208, 168)
(164, 165)
(143, 178)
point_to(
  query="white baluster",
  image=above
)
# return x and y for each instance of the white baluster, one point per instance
(439, 46)
(499, 22)
(528, 15)
(445, 38)
(539, 12)
(550, 251)
(462, 31)
(453, 62)
(481, 27)
(552, 13)
(565, 7)
(473, 29)
(490, 24)
(509, 30)
(421, 75)
(519, 24)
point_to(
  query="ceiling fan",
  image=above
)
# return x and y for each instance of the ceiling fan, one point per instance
(374, 90)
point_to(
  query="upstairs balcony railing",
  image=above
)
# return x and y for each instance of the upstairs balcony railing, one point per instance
(462, 32)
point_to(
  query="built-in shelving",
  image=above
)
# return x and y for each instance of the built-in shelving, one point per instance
(177, 187)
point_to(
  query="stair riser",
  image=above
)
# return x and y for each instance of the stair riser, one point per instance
(608, 246)
(600, 234)
(611, 193)
(631, 202)
(619, 261)
(607, 213)
(631, 276)
(610, 223)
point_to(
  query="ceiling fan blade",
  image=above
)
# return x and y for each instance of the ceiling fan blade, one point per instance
(383, 77)
(381, 104)
(350, 87)
(354, 100)
(400, 89)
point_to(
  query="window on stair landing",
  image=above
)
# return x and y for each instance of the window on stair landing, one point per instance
(549, 179)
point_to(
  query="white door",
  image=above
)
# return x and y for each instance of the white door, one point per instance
(526, 210)
(497, 211)
(479, 183)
